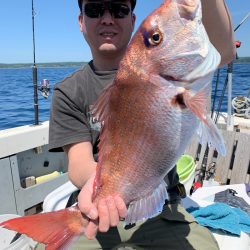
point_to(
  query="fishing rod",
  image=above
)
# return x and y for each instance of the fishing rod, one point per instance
(243, 20)
(228, 83)
(34, 68)
(215, 92)
(230, 124)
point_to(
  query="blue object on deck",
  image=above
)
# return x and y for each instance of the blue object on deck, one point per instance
(223, 217)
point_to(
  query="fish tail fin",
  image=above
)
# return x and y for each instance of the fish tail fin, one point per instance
(54, 229)
(147, 206)
(209, 132)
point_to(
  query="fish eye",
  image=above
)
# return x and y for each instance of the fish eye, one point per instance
(155, 39)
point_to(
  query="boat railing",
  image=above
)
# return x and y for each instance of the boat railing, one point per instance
(233, 168)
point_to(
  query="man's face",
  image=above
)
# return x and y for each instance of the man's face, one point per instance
(107, 34)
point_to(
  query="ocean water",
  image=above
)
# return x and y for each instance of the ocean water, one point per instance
(17, 102)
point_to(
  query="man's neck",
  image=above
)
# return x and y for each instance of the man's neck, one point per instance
(106, 63)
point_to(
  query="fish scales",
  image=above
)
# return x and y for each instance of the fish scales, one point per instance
(146, 141)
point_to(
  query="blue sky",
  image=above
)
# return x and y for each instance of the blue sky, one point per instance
(57, 34)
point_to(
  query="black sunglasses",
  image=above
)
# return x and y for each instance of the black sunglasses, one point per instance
(96, 10)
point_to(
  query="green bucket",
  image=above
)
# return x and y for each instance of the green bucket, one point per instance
(185, 166)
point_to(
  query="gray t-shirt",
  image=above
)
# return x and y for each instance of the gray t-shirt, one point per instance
(70, 119)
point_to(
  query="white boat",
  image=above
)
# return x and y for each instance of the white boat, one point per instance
(24, 157)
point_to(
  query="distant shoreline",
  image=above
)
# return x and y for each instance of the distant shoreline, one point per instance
(78, 64)
(42, 65)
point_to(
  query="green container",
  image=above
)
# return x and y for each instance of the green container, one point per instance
(185, 166)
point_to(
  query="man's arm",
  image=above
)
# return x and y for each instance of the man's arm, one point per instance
(217, 22)
(81, 163)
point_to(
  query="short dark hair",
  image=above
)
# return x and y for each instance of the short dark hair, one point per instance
(133, 3)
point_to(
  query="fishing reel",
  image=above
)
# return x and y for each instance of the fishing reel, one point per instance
(44, 88)
(237, 45)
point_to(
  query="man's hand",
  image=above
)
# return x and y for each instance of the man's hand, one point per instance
(105, 214)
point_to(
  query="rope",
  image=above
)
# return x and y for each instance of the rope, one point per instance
(241, 105)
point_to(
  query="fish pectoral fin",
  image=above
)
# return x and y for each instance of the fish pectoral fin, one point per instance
(196, 103)
(208, 132)
(148, 206)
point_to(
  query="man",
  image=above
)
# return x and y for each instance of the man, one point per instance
(107, 27)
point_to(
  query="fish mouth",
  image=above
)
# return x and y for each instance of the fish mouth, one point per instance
(188, 9)
(169, 78)
(180, 82)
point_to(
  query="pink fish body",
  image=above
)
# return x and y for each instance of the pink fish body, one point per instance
(154, 106)
(148, 114)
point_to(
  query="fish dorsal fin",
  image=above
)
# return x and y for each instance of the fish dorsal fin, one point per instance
(100, 108)
(148, 206)
(101, 112)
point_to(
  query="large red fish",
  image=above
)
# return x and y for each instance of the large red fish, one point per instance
(149, 113)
